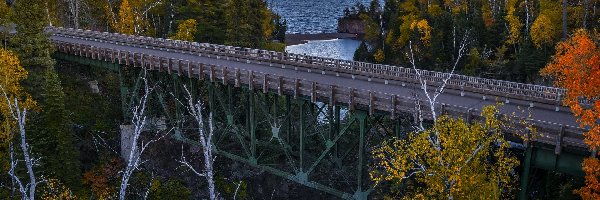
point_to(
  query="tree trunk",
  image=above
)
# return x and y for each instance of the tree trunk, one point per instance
(564, 18)
(585, 12)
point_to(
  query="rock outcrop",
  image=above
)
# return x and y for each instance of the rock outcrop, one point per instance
(353, 26)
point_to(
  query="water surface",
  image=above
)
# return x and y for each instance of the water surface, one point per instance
(338, 48)
(312, 16)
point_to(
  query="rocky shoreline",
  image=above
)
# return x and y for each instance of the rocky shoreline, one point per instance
(295, 39)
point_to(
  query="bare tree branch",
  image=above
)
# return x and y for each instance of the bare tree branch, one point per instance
(195, 108)
(139, 123)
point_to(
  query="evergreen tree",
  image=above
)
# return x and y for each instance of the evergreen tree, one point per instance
(31, 42)
(63, 162)
(50, 138)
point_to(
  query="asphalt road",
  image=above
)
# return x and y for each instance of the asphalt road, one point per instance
(540, 112)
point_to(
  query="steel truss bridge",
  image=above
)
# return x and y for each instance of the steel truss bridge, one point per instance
(286, 113)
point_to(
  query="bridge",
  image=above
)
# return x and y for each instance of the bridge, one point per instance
(308, 86)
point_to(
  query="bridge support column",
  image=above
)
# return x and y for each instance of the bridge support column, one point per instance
(523, 194)
(229, 106)
(301, 136)
(288, 109)
(124, 93)
(126, 133)
(251, 117)
(361, 116)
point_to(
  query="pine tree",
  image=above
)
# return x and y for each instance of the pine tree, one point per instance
(50, 138)
(31, 42)
(63, 161)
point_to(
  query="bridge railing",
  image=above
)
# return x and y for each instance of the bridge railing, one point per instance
(513, 90)
(547, 133)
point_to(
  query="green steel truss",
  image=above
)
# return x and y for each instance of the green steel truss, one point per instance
(321, 146)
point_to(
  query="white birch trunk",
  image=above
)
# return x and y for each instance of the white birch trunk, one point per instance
(27, 190)
(195, 109)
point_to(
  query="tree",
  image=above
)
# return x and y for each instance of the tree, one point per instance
(137, 144)
(30, 42)
(470, 162)
(195, 108)
(542, 31)
(11, 75)
(125, 23)
(186, 30)
(514, 23)
(576, 67)
(53, 139)
(74, 8)
(19, 114)
(4, 22)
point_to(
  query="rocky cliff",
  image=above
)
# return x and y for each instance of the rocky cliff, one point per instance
(354, 26)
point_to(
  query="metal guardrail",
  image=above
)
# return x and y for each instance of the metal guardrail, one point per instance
(554, 134)
(513, 90)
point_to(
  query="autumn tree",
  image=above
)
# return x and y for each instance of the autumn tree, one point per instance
(541, 31)
(11, 76)
(545, 30)
(576, 67)
(125, 23)
(186, 30)
(514, 23)
(471, 161)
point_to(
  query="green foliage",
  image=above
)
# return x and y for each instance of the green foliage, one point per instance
(245, 24)
(362, 53)
(158, 187)
(228, 188)
(274, 46)
(30, 42)
(474, 62)
(55, 141)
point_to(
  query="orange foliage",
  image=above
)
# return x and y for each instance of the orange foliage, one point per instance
(101, 177)
(576, 67)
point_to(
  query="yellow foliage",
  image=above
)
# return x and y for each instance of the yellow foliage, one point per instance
(4, 13)
(514, 23)
(542, 31)
(125, 23)
(457, 6)
(424, 29)
(11, 75)
(470, 161)
(186, 30)
(54, 190)
(266, 23)
(379, 56)
(434, 10)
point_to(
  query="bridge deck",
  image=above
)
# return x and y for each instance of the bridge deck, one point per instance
(369, 92)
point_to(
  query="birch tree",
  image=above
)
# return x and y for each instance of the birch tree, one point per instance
(138, 146)
(452, 159)
(74, 8)
(431, 97)
(205, 133)
(27, 189)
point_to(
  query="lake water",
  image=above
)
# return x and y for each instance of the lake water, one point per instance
(317, 16)
(338, 48)
(312, 16)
